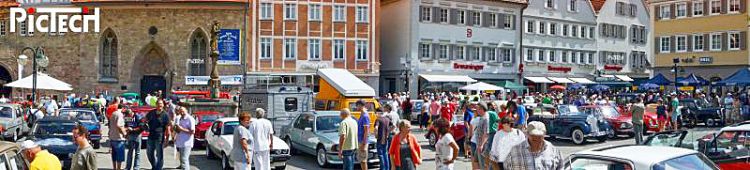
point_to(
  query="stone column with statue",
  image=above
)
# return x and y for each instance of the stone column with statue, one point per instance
(215, 82)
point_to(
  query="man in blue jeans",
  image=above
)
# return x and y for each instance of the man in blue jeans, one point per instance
(117, 138)
(347, 139)
(384, 129)
(134, 128)
(159, 126)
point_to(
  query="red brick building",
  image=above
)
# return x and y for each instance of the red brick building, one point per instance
(298, 37)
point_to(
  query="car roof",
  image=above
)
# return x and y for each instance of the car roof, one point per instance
(5, 146)
(58, 119)
(635, 153)
(228, 119)
(326, 113)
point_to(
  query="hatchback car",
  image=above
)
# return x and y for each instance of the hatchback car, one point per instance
(629, 157)
(316, 133)
(12, 122)
(219, 140)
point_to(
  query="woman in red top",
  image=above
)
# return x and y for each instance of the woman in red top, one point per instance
(446, 112)
(405, 151)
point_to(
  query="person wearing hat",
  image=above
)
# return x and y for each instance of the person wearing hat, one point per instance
(505, 139)
(535, 153)
(40, 159)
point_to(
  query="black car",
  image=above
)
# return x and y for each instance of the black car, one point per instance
(565, 121)
(53, 134)
(87, 117)
(697, 111)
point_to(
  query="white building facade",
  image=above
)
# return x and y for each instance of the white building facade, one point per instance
(443, 44)
(623, 40)
(559, 43)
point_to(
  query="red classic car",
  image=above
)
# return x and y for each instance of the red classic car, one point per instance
(458, 130)
(651, 121)
(204, 120)
(621, 123)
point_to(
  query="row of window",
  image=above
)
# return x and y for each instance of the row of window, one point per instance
(22, 28)
(467, 17)
(572, 6)
(638, 59)
(638, 34)
(430, 51)
(612, 31)
(314, 49)
(559, 56)
(315, 12)
(701, 42)
(698, 8)
(565, 30)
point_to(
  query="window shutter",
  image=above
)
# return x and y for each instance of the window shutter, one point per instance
(435, 51)
(421, 12)
(689, 9)
(633, 8)
(485, 18)
(706, 42)
(453, 16)
(500, 20)
(743, 7)
(689, 43)
(419, 51)
(673, 11)
(469, 18)
(435, 15)
(706, 8)
(724, 41)
(724, 6)
(743, 39)
(657, 12)
(657, 44)
(673, 44)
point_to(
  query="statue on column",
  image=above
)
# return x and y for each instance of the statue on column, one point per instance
(215, 82)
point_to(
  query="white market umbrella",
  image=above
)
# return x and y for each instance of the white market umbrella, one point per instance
(43, 82)
(481, 86)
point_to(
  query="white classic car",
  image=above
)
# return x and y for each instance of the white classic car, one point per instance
(219, 140)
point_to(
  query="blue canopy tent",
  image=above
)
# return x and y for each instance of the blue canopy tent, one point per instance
(659, 79)
(600, 87)
(576, 86)
(649, 86)
(691, 80)
(741, 77)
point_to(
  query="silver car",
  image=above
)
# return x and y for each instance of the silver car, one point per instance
(12, 122)
(316, 133)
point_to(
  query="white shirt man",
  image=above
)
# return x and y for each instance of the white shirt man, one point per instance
(262, 131)
(51, 107)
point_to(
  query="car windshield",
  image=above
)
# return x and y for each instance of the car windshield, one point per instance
(209, 118)
(129, 97)
(54, 128)
(229, 127)
(689, 104)
(327, 123)
(80, 115)
(6, 112)
(567, 109)
(687, 162)
(610, 112)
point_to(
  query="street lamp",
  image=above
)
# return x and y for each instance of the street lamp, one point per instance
(675, 61)
(38, 59)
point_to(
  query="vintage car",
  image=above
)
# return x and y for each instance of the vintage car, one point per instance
(219, 143)
(622, 124)
(12, 122)
(204, 119)
(565, 121)
(11, 157)
(696, 111)
(729, 148)
(316, 133)
(458, 130)
(88, 119)
(650, 120)
(54, 133)
(633, 157)
(131, 98)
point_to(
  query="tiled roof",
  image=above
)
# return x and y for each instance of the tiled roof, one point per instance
(8, 3)
(153, 1)
(597, 4)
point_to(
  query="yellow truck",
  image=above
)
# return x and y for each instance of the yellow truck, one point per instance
(340, 89)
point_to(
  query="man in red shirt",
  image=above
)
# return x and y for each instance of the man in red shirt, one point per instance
(446, 112)
(112, 107)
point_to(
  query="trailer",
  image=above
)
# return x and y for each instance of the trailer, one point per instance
(281, 102)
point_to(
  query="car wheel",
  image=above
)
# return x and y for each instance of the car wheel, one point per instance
(321, 157)
(225, 162)
(432, 138)
(280, 167)
(577, 136)
(709, 122)
(97, 144)
(602, 138)
(612, 135)
(209, 153)
(630, 135)
(289, 142)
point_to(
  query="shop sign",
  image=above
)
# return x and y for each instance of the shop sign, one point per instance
(203, 80)
(612, 67)
(475, 67)
(229, 46)
(559, 69)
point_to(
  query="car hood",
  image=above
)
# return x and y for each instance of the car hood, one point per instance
(4, 120)
(57, 145)
(90, 125)
(277, 142)
(621, 118)
(203, 126)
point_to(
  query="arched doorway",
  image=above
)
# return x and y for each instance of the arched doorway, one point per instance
(149, 70)
(5, 78)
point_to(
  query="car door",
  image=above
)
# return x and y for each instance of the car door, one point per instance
(295, 133)
(309, 140)
(211, 137)
(21, 121)
(15, 161)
